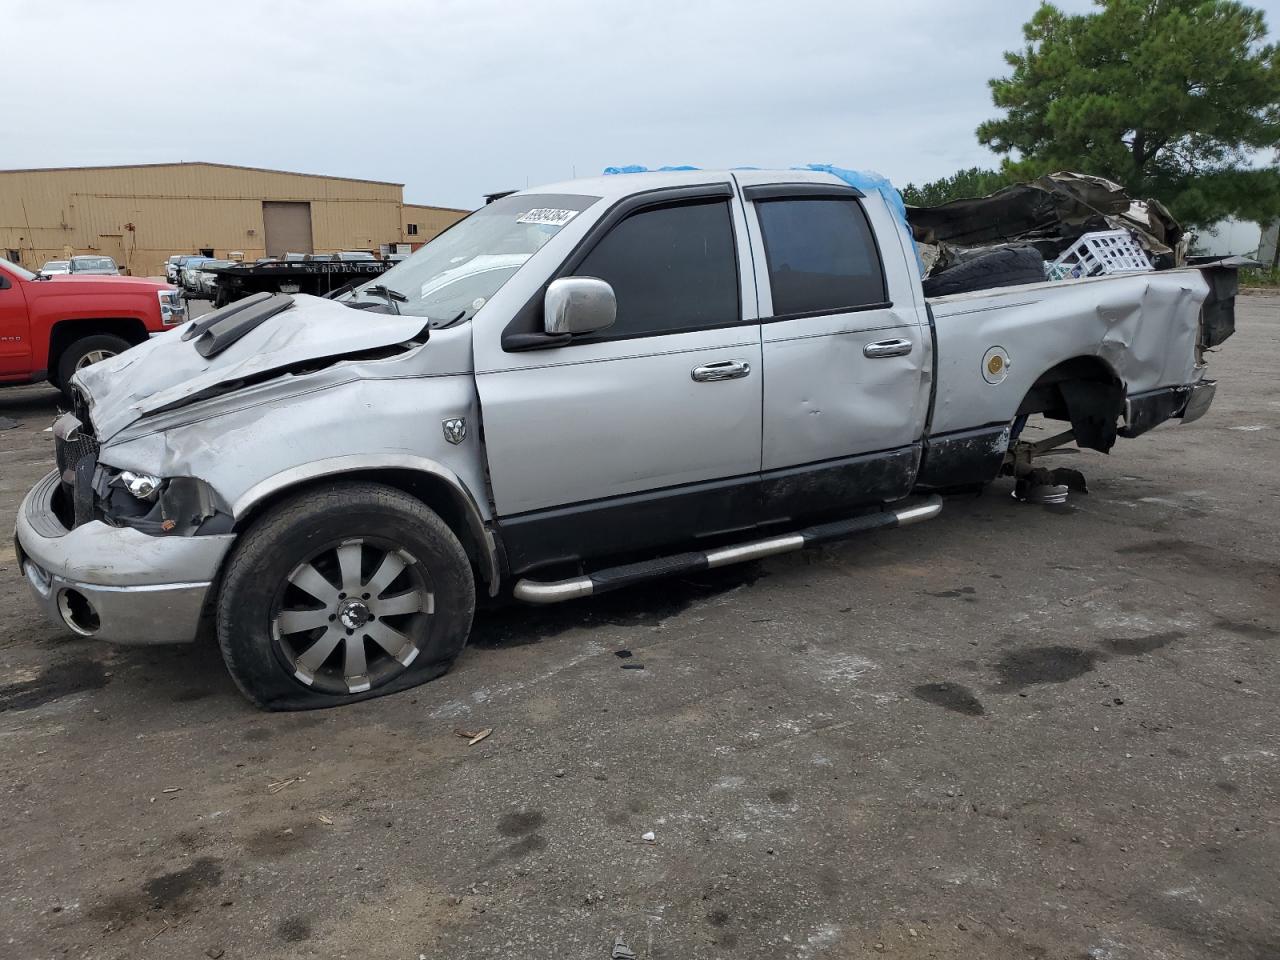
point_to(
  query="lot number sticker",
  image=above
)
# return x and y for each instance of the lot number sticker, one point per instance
(549, 216)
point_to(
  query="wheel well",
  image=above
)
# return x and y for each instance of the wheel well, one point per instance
(67, 332)
(437, 493)
(1084, 391)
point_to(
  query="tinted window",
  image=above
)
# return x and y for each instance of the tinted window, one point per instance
(671, 268)
(822, 256)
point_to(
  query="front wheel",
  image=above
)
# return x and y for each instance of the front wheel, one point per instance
(85, 352)
(343, 593)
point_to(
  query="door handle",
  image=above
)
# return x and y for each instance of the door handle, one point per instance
(724, 370)
(887, 348)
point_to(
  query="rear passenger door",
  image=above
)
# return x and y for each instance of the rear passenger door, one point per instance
(847, 362)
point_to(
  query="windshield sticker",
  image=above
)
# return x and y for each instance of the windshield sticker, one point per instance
(549, 216)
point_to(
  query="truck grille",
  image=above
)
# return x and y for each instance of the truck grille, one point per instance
(75, 449)
(70, 452)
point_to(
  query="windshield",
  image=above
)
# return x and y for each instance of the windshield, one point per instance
(454, 275)
(54, 265)
(82, 264)
(22, 273)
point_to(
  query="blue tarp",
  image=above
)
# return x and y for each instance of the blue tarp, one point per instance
(634, 168)
(865, 180)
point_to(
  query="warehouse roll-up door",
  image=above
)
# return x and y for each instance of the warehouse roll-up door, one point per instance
(288, 227)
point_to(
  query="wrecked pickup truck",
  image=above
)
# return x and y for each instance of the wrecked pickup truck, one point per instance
(576, 388)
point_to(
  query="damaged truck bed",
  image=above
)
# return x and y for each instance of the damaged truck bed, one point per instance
(576, 388)
(1112, 356)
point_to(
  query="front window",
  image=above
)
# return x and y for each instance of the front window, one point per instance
(672, 269)
(454, 275)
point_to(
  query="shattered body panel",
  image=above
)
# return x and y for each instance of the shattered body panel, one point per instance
(1143, 327)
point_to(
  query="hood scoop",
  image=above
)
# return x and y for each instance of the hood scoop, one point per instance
(218, 330)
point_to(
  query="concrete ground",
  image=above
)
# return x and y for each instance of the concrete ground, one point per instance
(1015, 731)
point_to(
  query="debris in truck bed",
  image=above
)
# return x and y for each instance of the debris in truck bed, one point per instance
(1051, 214)
(985, 269)
(1101, 252)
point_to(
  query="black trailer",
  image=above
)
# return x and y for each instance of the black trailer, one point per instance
(316, 277)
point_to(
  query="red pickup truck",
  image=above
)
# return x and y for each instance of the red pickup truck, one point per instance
(50, 327)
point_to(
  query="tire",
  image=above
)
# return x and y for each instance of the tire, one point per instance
(87, 350)
(286, 653)
(1007, 267)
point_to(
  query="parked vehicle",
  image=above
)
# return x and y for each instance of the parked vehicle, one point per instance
(314, 273)
(645, 375)
(53, 267)
(207, 277)
(189, 274)
(93, 266)
(173, 267)
(52, 326)
(180, 263)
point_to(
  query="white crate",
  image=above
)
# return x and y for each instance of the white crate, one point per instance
(1099, 253)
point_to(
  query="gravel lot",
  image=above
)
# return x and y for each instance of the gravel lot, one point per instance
(1014, 731)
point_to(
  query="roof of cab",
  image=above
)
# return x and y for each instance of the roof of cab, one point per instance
(615, 186)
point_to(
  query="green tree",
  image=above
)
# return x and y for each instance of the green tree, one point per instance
(1174, 99)
(974, 182)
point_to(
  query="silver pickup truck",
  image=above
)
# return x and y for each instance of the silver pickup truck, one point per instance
(575, 388)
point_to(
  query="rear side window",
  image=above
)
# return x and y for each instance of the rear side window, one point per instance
(822, 255)
(672, 268)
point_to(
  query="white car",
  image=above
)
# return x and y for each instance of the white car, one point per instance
(56, 266)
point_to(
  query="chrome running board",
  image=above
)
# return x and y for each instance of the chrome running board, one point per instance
(611, 578)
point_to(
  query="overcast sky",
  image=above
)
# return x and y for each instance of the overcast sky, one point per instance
(457, 99)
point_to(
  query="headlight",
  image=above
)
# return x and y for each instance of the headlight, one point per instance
(141, 485)
(159, 506)
(172, 309)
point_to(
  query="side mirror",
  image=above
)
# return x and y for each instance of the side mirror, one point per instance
(578, 305)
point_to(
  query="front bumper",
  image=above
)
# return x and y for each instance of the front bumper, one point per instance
(114, 583)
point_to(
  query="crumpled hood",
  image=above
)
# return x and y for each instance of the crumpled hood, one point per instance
(167, 372)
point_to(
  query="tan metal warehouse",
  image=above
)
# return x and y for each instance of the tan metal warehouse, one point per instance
(142, 214)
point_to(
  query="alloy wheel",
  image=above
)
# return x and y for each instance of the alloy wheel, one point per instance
(346, 617)
(94, 356)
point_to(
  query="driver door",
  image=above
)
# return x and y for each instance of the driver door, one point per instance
(648, 432)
